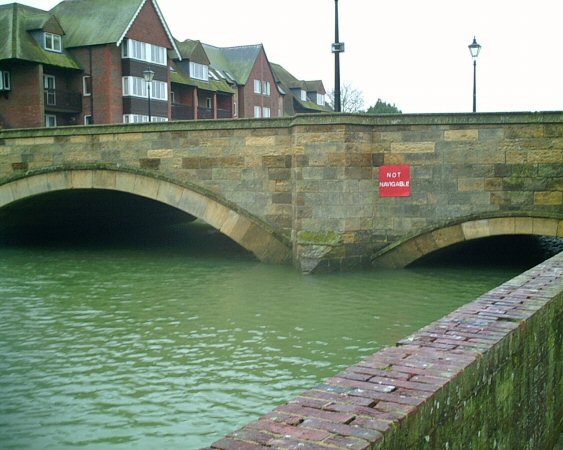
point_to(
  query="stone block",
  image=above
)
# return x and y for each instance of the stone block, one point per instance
(461, 135)
(548, 198)
(502, 226)
(160, 153)
(476, 229)
(82, 179)
(545, 227)
(470, 184)
(413, 147)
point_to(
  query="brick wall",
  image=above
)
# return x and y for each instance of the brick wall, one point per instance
(24, 104)
(489, 375)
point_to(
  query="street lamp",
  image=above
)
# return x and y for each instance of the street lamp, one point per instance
(337, 48)
(149, 75)
(474, 49)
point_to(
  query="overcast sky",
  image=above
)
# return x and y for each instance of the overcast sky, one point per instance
(409, 52)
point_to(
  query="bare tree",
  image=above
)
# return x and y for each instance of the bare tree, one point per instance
(351, 99)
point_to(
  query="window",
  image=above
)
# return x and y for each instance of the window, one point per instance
(235, 110)
(50, 92)
(50, 120)
(144, 52)
(5, 80)
(266, 88)
(209, 103)
(257, 87)
(257, 111)
(88, 120)
(53, 42)
(140, 118)
(266, 112)
(303, 95)
(320, 99)
(199, 71)
(87, 85)
(137, 87)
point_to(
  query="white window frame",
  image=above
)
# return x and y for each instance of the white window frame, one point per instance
(86, 89)
(257, 86)
(88, 119)
(257, 112)
(235, 110)
(199, 71)
(320, 99)
(209, 103)
(137, 87)
(266, 88)
(266, 112)
(141, 118)
(50, 87)
(143, 51)
(50, 120)
(52, 42)
(5, 82)
(303, 93)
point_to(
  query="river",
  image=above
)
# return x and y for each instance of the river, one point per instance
(174, 344)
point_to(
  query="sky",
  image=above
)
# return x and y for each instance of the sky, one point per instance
(410, 53)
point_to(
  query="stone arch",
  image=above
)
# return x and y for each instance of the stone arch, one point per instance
(244, 229)
(405, 252)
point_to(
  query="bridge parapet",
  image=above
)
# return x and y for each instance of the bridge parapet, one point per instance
(313, 180)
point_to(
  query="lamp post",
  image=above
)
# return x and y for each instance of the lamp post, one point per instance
(149, 75)
(474, 49)
(337, 48)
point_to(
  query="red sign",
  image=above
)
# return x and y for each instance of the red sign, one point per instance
(395, 181)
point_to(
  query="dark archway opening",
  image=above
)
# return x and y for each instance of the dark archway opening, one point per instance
(519, 251)
(99, 219)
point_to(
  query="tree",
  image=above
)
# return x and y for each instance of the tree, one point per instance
(351, 99)
(382, 107)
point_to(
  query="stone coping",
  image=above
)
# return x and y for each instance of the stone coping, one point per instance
(496, 118)
(375, 403)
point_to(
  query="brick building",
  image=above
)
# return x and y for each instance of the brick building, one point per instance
(87, 61)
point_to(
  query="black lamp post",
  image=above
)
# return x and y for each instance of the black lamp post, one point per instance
(149, 75)
(337, 48)
(474, 49)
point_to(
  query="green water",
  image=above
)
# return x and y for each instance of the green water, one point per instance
(173, 346)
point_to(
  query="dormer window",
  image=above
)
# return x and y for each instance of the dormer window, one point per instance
(53, 42)
(320, 99)
(303, 95)
(199, 71)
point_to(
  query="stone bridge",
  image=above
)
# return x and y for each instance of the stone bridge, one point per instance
(326, 192)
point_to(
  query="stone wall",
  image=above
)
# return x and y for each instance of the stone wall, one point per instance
(489, 375)
(313, 179)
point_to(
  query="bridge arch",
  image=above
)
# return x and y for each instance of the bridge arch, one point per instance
(405, 252)
(246, 230)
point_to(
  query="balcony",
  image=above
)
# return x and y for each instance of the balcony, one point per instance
(224, 113)
(57, 100)
(182, 112)
(204, 113)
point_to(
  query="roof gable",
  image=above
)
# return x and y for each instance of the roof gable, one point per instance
(193, 50)
(98, 22)
(239, 61)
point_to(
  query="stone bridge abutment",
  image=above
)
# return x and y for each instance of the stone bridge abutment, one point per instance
(318, 190)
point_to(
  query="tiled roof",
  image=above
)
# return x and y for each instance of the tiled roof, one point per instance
(16, 24)
(95, 22)
(98, 22)
(238, 61)
(289, 82)
(192, 50)
(179, 76)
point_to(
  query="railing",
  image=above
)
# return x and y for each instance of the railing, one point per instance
(224, 113)
(182, 112)
(204, 113)
(63, 101)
